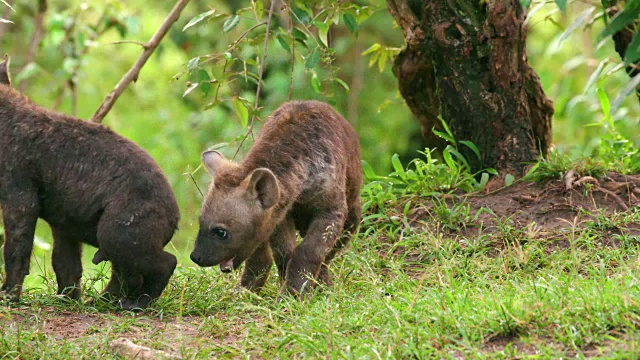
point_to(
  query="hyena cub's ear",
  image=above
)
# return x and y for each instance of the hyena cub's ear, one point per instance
(5, 78)
(213, 161)
(263, 186)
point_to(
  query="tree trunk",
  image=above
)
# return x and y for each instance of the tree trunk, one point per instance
(465, 60)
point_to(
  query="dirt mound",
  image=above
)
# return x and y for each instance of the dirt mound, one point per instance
(555, 205)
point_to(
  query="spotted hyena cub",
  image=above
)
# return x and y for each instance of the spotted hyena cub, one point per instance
(303, 173)
(91, 186)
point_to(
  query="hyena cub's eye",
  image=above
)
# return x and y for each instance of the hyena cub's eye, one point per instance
(221, 233)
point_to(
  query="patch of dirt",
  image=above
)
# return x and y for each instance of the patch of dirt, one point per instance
(67, 325)
(558, 205)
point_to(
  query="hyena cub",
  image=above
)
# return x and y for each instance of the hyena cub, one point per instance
(91, 186)
(304, 173)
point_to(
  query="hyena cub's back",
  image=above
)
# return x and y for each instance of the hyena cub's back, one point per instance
(302, 173)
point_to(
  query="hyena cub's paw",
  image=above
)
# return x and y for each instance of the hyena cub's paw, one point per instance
(10, 293)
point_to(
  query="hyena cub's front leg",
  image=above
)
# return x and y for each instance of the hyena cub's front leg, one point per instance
(308, 257)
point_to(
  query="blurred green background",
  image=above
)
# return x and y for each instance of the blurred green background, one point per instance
(175, 129)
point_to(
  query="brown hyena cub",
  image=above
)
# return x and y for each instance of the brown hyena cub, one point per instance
(304, 173)
(92, 186)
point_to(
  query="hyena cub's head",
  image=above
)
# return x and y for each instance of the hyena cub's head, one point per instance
(236, 214)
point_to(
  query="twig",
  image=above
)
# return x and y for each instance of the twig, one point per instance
(262, 63)
(144, 46)
(132, 74)
(35, 38)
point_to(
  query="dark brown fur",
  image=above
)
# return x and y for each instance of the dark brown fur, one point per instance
(303, 173)
(92, 186)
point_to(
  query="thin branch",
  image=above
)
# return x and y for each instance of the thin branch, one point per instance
(132, 74)
(262, 63)
(35, 38)
(143, 45)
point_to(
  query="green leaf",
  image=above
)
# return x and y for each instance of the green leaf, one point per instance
(397, 165)
(344, 84)
(241, 111)
(198, 18)
(283, 42)
(323, 32)
(579, 21)
(508, 179)
(460, 157)
(231, 22)
(596, 74)
(604, 102)
(484, 179)
(369, 174)
(350, 22)
(258, 8)
(525, 4)
(448, 159)
(633, 50)
(620, 21)
(472, 146)
(562, 5)
(204, 80)
(373, 48)
(626, 91)
(301, 15)
(315, 83)
(313, 59)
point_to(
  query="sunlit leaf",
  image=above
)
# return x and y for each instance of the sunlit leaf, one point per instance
(315, 83)
(323, 32)
(579, 21)
(6, 21)
(397, 165)
(258, 6)
(341, 82)
(198, 18)
(230, 23)
(604, 102)
(596, 74)
(7, 4)
(241, 111)
(190, 88)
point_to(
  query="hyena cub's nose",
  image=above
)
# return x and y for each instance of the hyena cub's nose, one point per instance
(195, 258)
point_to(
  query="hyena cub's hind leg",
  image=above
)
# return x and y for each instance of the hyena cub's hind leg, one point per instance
(67, 263)
(350, 228)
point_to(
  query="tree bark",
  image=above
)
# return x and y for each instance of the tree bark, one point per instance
(465, 60)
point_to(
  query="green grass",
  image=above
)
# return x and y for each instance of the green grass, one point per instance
(440, 296)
